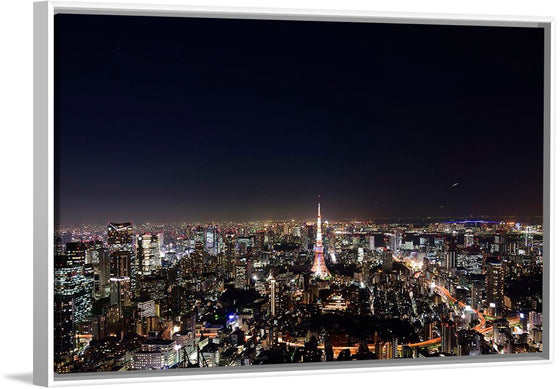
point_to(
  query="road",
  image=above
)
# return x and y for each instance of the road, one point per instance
(480, 327)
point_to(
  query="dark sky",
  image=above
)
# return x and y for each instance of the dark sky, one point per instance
(177, 119)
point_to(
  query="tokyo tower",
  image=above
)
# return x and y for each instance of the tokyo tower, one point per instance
(319, 268)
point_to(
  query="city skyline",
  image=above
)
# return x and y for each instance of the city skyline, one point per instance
(420, 220)
(289, 293)
(169, 120)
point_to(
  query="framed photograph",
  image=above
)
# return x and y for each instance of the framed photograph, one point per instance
(234, 191)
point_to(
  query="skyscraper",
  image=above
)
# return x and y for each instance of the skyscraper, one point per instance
(120, 265)
(120, 280)
(76, 253)
(319, 268)
(372, 242)
(273, 293)
(469, 238)
(63, 326)
(102, 270)
(148, 253)
(70, 280)
(197, 258)
(240, 275)
(451, 254)
(210, 241)
(448, 337)
(120, 293)
(495, 284)
(230, 254)
(119, 238)
(83, 278)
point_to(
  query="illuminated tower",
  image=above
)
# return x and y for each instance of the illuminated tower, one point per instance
(319, 268)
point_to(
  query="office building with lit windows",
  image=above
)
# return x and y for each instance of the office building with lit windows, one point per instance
(156, 354)
(495, 285)
(148, 253)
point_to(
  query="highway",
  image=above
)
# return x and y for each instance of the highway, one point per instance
(480, 327)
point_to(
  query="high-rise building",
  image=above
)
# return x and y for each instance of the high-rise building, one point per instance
(76, 253)
(501, 331)
(148, 253)
(63, 326)
(428, 333)
(499, 245)
(273, 295)
(120, 264)
(240, 275)
(210, 240)
(319, 268)
(448, 337)
(160, 237)
(395, 240)
(386, 350)
(120, 238)
(309, 235)
(147, 308)
(98, 326)
(391, 241)
(76, 256)
(477, 287)
(469, 238)
(451, 255)
(259, 239)
(535, 320)
(59, 246)
(92, 254)
(372, 242)
(394, 349)
(120, 294)
(102, 271)
(387, 260)
(71, 280)
(197, 258)
(119, 282)
(495, 284)
(230, 254)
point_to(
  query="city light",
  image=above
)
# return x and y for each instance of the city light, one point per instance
(224, 277)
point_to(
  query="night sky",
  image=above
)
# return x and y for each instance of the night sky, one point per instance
(177, 119)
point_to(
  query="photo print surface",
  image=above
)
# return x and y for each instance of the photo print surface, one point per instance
(235, 192)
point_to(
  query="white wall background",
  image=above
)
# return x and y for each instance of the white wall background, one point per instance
(16, 187)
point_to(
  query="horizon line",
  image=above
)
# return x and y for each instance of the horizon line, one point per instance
(437, 219)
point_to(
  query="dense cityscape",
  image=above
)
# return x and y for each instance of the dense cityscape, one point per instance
(145, 297)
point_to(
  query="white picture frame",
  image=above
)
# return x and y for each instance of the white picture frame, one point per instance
(44, 172)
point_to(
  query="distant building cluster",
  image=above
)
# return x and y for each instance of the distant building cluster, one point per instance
(145, 297)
